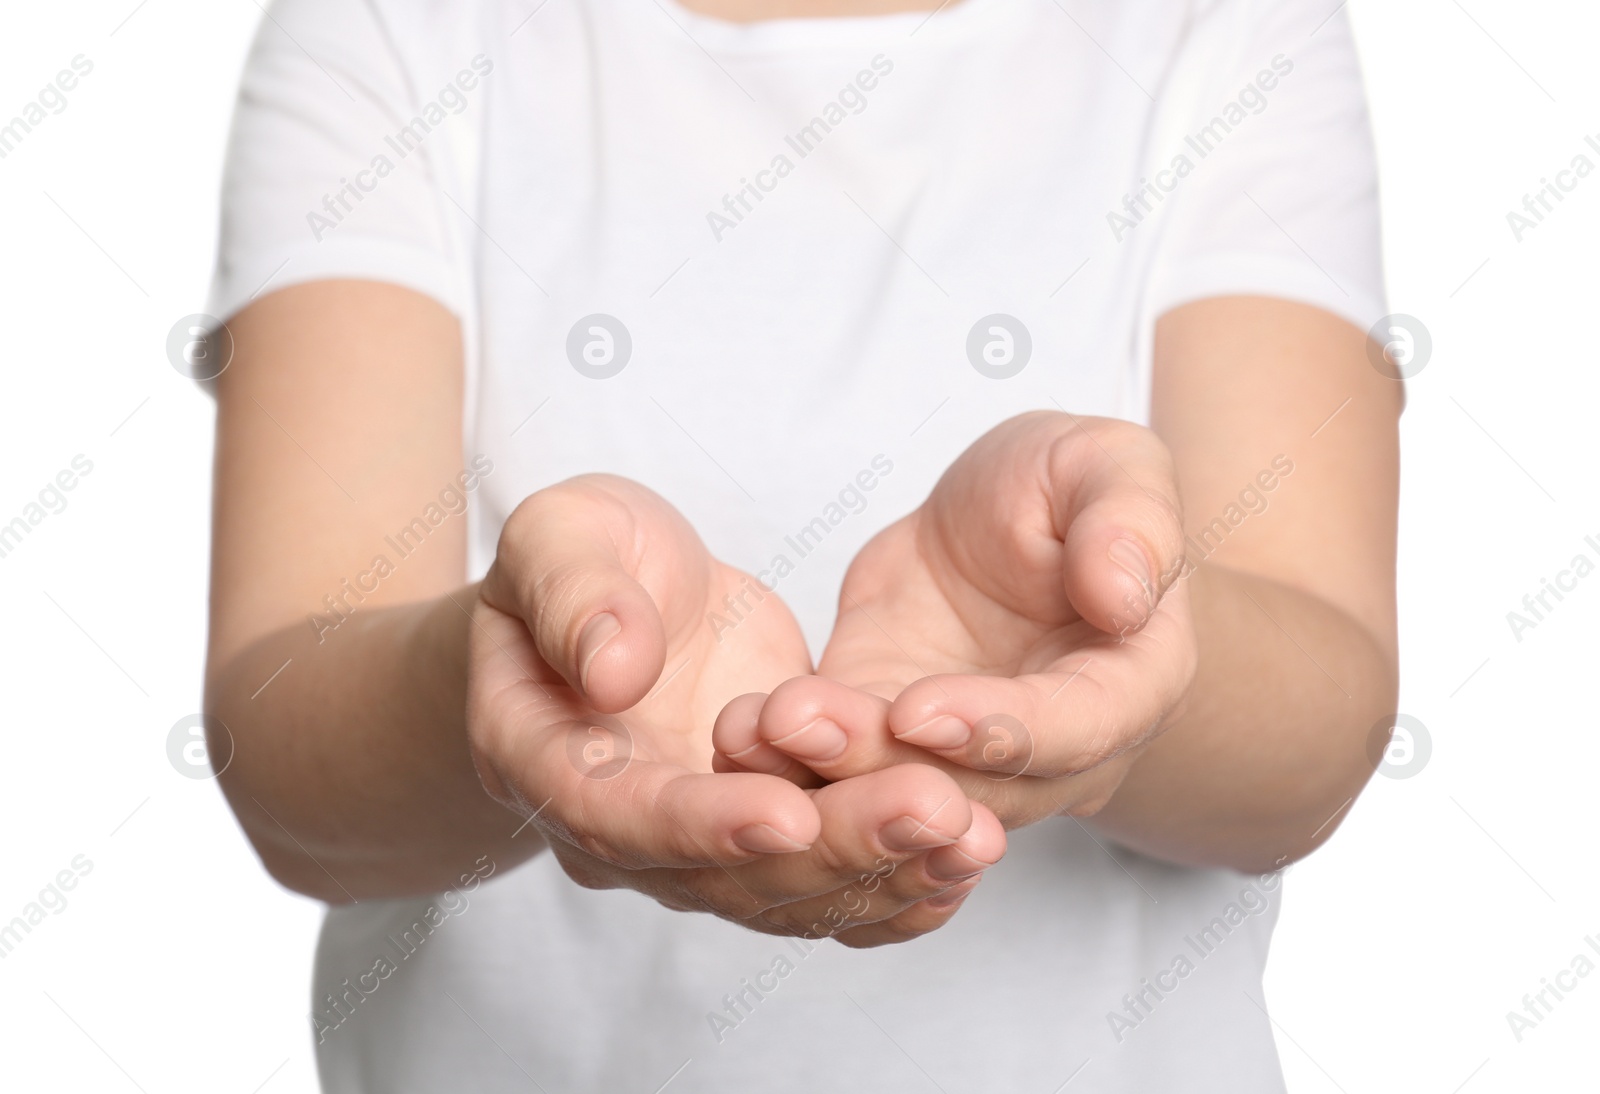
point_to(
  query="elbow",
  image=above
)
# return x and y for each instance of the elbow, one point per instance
(297, 872)
(285, 859)
(1330, 788)
(242, 769)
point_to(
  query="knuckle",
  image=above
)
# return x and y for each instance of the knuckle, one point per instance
(598, 847)
(718, 891)
(1004, 797)
(839, 916)
(919, 785)
(1124, 438)
(1165, 515)
(522, 526)
(909, 886)
(1097, 736)
(794, 697)
(890, 932)
(830, 859)
(1089, 806)
(783, 922)
(859, 906)
(588, 875)
(1076, 439)
(1153, 510)
(557, 595)
(895, 882)
(523, 515)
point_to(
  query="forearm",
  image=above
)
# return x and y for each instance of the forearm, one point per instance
(350, 771)
(1270, 745)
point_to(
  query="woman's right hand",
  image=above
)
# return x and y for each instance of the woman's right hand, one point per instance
(595, 675)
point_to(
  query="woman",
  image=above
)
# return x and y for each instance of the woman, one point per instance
(578, 344)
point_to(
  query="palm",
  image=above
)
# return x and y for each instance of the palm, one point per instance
(1004, 641)
(672, 723)
(684, 681)
(916, 604)
(598, 671)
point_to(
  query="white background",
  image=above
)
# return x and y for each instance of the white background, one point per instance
(177, 965)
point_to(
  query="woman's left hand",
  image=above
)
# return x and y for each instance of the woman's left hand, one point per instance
(1023, 630)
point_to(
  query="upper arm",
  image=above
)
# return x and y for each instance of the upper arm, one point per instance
(338, 425)
(1270, 272)
(1286, 444)
(339, 418)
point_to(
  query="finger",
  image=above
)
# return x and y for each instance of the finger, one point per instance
(895, 886)
(990, 768)
(737, 746)
(913, 906)
(569, 563)
(923, 917)
(637, 813)
(1090, 707)
(981, 846)
(829, 728)
(895, 889)
(1114, 500)
(868, 823)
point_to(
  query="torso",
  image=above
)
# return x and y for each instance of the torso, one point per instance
(754, 11)
(801, 305)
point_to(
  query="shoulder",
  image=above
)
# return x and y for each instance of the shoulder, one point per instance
(430, 33)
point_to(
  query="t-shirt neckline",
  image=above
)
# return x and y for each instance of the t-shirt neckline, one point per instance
(819, 32)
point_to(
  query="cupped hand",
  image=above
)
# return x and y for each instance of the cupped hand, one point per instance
(594, 680)
(1023, 630)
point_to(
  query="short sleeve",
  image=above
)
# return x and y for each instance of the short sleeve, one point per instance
(330, 172)
(1281, 197)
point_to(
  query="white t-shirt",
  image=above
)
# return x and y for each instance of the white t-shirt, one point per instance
(756, 268)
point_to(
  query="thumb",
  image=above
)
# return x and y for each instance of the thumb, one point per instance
(568, 564)
(1115, 502)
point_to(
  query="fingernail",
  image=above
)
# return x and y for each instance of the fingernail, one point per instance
(944, 731)
(763, 839)
(762, 759)
(821, 740)
(593, 638)
(954, 864)
(910, 834)
(953, 895)
(1130, 556)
